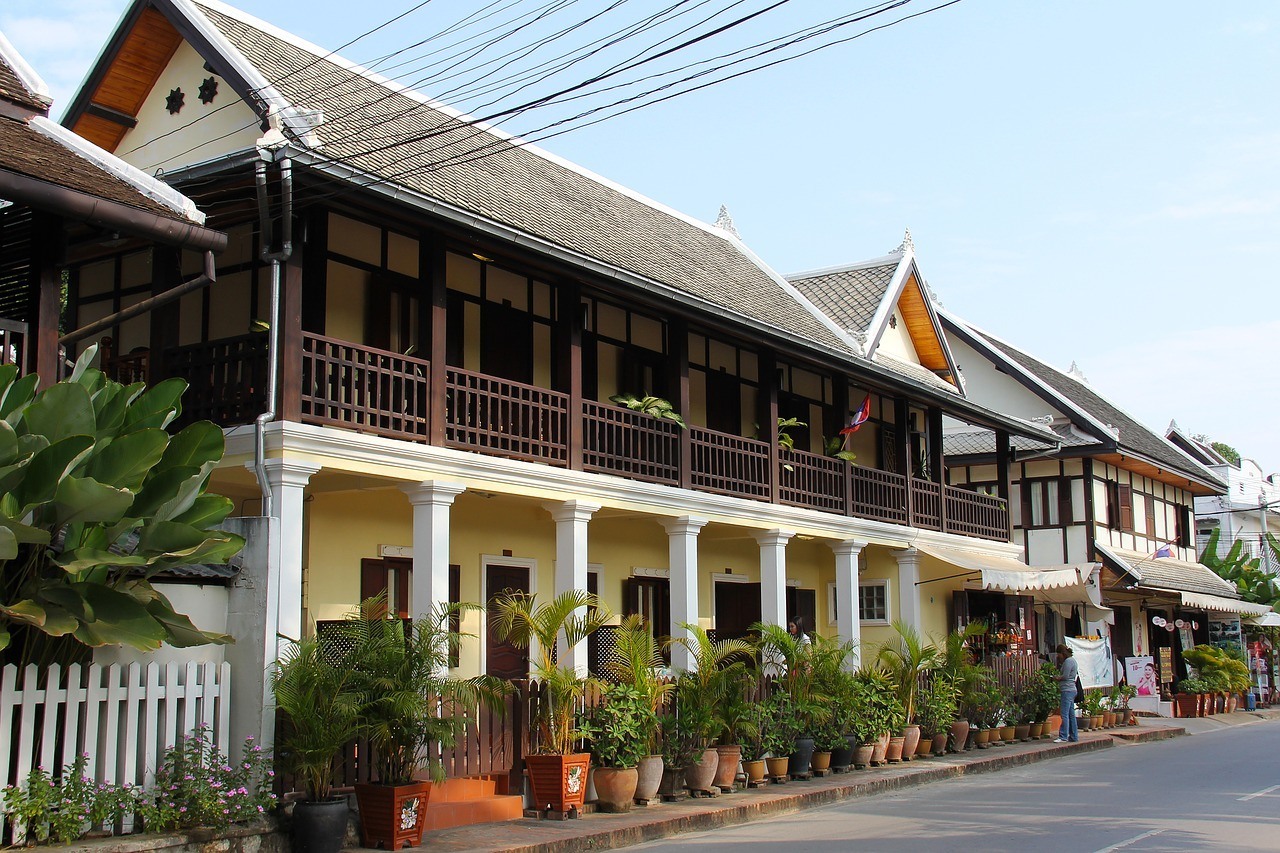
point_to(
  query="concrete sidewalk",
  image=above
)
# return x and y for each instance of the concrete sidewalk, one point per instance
(600, 831)
(1218, 722)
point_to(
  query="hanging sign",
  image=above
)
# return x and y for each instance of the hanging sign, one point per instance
(1094, 658)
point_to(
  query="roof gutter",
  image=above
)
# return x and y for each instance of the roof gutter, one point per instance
(111, 215)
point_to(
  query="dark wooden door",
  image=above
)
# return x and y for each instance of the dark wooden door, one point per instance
(502, 659)
(506, 343)
(389, 576)
(737, 608)
(802, 604)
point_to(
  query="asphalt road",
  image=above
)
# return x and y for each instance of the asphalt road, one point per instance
(1213, 791)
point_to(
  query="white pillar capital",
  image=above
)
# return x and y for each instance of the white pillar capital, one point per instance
(433, 492)
(685, 525)
(774, 538)
(571, 510)
(908, 556)
(848, 547)
(288, 472)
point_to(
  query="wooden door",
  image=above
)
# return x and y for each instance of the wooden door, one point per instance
(650, 599)
(389, 576)
(502, 659)
(737, 608)
(803, 604)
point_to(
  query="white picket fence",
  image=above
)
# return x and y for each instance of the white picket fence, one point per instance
(122, 717)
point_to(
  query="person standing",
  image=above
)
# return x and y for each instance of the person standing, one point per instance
(1068, 672)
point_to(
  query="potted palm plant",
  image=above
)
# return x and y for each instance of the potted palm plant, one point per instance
(620, 730)
(705, 694)
(637, 661)
(557, 770)
(408, 704)
(796, 662)
(906, 657)
(956, 663)
(316, 693)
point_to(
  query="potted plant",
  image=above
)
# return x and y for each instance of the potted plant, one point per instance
(321, 707)
(1187, 699)
(637, 661)
(408, 703)
(907, 657)
(937, 710)
(779, 734)
(710, 700)
(957, 664)
(557, 771)
(882, 712)
(1048, 698)
(797, 663)
(620, 730)
(1121, 697)
(753, 743)
(695, 729)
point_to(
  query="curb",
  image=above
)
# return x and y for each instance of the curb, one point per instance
(641, 825)
(1148, 735)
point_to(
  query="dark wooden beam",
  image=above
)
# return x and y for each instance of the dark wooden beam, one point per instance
(568, 355)
(46, 297)
(439, 344)
(1004, 472)
(678, 382)
(112, 115)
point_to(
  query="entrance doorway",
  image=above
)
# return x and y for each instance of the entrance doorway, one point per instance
(737, 608)
(502, 658)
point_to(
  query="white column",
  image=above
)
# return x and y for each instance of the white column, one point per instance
(848, 624)
(682, 551)
(288, 479)
(431, 503)
(773, 576)
(571, 519)
(908, 591)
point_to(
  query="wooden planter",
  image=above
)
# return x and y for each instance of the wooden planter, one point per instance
(559, 781)
(391, 816)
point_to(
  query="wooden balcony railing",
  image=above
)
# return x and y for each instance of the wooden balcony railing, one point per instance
(228, 378)
(630, 444)
(926, 504)
(879, 495)
(364, 389)
(729, 464)
(975, 514)
(506, 418)
(813, 481)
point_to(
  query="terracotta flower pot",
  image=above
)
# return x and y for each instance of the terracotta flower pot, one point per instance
(924, 749)
(821, 760)
(940, 744)
(1022, 731)
(982, 738)
(911, 740)
(1053, 724)
(727, 765)
(881, 746)
(672, 784)
(559, 781)
(392, 815)
(1008, 733)
(700, 775)
(1037, 729)
(863, 755)
(959, 735)
(894, 753)
(755, 770)
(615, 788)
(777, 766)
(648, 777)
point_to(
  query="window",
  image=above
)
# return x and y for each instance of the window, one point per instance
(873, 602)
(1046, 503)
(1120, 507)
(1185, 526)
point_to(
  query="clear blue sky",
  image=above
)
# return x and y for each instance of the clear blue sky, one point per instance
(1093, 181)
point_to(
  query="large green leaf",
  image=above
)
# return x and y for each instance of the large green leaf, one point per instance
(17, 396)
(127, 460)
(207, 511)
(64, 596)
(216, 550)
(11, 475)
(181, 631)
(194, 447)
(24, 533)
(82, 559)
(109, 407)
(61, 411)
(25, 611)
(9, 450)
(84, 362)
(4, 638)
(47, 468)
(8, 544)
(159, 490)
(156, 406)
(119, 618)
(8, 373)
(83, 499)
(169, 537)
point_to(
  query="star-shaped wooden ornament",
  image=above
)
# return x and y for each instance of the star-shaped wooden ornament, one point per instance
(175, 101)
(208, 90)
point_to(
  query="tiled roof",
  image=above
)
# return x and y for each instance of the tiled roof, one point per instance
(28, 152)
(982, 442)
(1134, 437)
(519, 187)
(12, 88)
(850, 296)
(1168, 573)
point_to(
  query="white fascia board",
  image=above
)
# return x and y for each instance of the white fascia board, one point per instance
(27, 75)
(880, 320)
(152, 188)
(405, 462)
(248, 72)
(893, 258)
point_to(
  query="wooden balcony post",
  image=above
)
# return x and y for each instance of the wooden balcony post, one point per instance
(840, 406)
(934, 417)
(1004, 471)
(41, 356)
(166, 266)
(767, 416)
(569, 364)
(438, 285)
(678, 362)
(902, 450)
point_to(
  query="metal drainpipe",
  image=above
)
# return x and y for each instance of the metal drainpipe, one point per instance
(273, 335)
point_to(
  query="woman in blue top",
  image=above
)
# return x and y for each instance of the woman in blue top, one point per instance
(1068, 671)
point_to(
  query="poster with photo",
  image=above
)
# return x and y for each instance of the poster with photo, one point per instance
(1140, 672)
(1224, 631)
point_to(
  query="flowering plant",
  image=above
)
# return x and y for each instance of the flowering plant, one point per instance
(196, 785)
(66, 807)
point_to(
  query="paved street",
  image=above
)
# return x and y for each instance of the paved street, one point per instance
(1219, 790)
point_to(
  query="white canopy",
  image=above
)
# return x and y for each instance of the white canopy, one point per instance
(1271, 619)
(1061, 584)
(1223, 605)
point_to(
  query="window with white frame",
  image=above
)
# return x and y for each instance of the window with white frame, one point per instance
(873, 602)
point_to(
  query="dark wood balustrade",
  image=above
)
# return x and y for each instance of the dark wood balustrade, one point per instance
(878, 495)
(813, 481)
(729, 464)
(630, 444)
(926, 504)
(506, 418)
(975, 514)
(364, 389)
(227, 378)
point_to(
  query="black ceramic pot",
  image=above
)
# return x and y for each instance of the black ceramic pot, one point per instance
(320, 826)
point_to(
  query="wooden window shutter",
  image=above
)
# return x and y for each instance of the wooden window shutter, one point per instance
(959, 609)
(1065, 516)
(1024, 495)
(373, 578)
(1151, 516)
(1125, 494)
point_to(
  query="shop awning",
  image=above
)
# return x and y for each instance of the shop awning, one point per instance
(1270, 619)
(1060, 584)
(1223, 605)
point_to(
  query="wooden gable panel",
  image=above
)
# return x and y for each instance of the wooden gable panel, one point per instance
(924, 337)
(145, 52)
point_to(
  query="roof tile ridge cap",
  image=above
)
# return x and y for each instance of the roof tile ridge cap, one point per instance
(891, 259)
(25, 73)
(151, 187)
(452, 112)
(791, 290)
